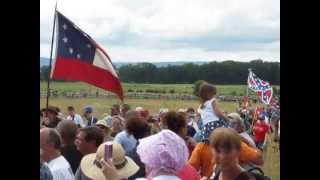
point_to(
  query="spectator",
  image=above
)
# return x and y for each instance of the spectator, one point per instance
(153, 123)
(202, 157)
(68, 132)
(162, 113)
(43, 117)
(50, 143)
(88, 115)
(87, 141)
(123, 166)
(192, 122)
(125, 108)
(177, 123)
(127, 140)
(52, 117)
(132, 113)
(211, 115)
(115, 110)
(260, 130)
(163, 154)
(226, 144)
(45, 173)
(76, 118)
(139, 129)
(117, 125)
(237, 123)
(105, 129)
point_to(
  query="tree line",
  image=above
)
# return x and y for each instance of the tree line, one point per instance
(226, 72)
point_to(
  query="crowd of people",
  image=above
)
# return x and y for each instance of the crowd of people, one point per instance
(187, 144)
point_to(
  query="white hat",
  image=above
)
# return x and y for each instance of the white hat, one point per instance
(139, 108)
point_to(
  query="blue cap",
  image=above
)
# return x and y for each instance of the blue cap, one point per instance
(88, 109)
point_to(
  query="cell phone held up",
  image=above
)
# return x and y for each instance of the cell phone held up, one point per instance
(108, 151)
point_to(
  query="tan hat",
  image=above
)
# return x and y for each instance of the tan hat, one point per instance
(235, 116)
(103, 123)
(126, 167)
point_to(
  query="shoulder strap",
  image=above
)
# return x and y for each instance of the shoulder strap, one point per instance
(255, 169)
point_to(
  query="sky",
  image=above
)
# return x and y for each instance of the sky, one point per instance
(173, 30)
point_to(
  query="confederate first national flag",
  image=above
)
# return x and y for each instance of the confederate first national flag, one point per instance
(80, 58)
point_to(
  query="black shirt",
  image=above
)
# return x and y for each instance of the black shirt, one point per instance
(72, 155)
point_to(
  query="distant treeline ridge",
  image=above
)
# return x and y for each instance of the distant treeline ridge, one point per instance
(227, 72)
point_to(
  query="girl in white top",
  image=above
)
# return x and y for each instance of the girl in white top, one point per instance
(211, 115)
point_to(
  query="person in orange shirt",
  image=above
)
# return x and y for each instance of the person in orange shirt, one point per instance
(226, 144)
(202, 158)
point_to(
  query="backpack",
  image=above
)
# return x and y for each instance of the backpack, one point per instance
(258, 173)
(255, 171)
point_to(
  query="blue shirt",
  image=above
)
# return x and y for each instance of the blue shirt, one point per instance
(127, 141)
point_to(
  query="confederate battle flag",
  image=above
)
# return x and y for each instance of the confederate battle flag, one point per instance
(261, 87)
(80, 58)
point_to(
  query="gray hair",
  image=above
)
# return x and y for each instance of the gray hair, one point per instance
(54, 138)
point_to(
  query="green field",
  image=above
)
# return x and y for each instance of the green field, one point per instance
(103, 105)
(177, 88)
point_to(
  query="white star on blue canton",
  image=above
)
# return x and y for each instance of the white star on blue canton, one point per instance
(65, 39)
(89, 45)
(78, 56)
(65, 26)
(70, 50)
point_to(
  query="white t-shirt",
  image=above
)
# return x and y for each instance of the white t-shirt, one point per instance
(77, 120)
(60, 169)
(207, 113)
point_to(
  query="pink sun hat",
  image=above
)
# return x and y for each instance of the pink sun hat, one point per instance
(165, 151)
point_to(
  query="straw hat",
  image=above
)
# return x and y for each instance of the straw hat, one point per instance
(126, 167)
(235, 116)
(103, 123)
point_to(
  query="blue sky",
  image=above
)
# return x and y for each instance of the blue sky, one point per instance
(170, 30)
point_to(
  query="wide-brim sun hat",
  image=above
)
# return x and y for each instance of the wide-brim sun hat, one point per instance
(125, 166)
(103, 123)
(234, 115)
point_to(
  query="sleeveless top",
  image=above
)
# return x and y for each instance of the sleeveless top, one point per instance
(207, 113)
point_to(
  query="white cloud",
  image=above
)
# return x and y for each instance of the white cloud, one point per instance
(174, 29)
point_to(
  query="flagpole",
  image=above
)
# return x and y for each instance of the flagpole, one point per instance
(249, 69)
(52, 40)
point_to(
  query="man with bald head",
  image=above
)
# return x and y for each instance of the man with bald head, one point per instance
(50, 143)
(68, 132)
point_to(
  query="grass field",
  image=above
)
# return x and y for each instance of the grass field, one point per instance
(177, 88)
(103, 105)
